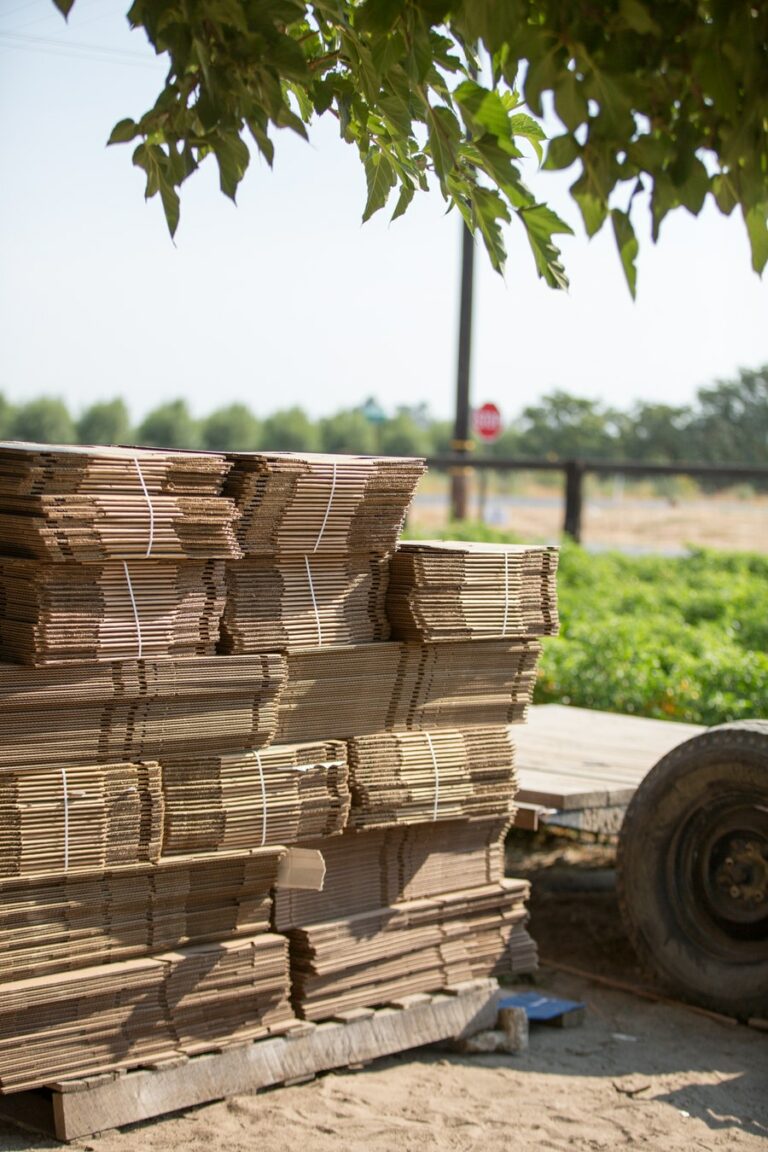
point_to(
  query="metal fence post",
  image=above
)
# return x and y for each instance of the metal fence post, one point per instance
(574, 491)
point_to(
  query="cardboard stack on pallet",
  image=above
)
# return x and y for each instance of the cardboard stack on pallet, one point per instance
(425, 717)
(111, 591)
(152, 901)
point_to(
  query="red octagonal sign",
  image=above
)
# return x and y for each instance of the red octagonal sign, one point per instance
(487, 421)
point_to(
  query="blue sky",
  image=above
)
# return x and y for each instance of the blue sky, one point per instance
(286, 298)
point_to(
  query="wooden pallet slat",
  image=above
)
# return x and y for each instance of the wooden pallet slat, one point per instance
(79, 1108)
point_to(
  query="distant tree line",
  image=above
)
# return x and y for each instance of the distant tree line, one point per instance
(727, 423)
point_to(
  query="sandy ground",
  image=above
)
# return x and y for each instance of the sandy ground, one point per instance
(636, 1074)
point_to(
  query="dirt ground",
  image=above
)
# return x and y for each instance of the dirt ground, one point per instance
(636, 1074)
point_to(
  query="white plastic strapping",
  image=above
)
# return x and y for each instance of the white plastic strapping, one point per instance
(135, 609)
(148, 499)
(327, 509)
(314, 602)
(437, 774)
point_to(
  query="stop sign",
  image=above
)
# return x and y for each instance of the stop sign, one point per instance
(487, 421)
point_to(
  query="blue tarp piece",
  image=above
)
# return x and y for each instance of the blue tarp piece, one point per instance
(538, 1007)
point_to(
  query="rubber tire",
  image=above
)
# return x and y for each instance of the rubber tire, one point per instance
(679, 786)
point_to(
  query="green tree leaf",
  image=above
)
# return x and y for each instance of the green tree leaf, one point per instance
(123, 132)
(562, 151)
(756, 220)
(541, 224)
(381, 179)
(626, 242)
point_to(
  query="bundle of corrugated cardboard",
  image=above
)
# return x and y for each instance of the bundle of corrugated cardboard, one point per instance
(376, 867)
(86, 817)
(392, 922)
(100, 562)
(451, 590)
(58, 613)
(443, 774)
(316, 532)
(308, 503)
(119, 1015)
(137, 709)
(91, 504)
(418, 946)
(279, 795)
(415, 898)
(460, 684)
(362, 689)
(62, 921)
(304, 601)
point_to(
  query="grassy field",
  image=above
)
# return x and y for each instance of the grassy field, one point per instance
(682, 639)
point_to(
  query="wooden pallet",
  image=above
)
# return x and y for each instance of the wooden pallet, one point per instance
(73, 1108)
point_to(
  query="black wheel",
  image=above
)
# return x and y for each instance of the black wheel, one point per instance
(693, 869)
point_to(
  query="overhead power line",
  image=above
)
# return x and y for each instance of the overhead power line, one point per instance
(75, 49)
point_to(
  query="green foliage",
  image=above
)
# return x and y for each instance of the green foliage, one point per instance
(348, 431)
(441, 436)
(231, 429)
(290, 430)
(169, 426)
(676, 639)
(731, 422)
(682, 639)
(402, 436)
(564, 425)
(45, 420)
(106, 422)
(646, 90)
(7, 413)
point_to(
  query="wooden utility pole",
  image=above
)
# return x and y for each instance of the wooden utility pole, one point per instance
(461, 444)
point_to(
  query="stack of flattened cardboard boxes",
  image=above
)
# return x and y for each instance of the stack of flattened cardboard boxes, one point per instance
(113, 952)
(152, 791)
(415, 897)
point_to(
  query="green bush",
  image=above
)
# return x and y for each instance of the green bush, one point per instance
(681, 639)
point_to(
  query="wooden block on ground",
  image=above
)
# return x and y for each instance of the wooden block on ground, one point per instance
(514, 1024)
(352, 1014)
(409, 1001)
